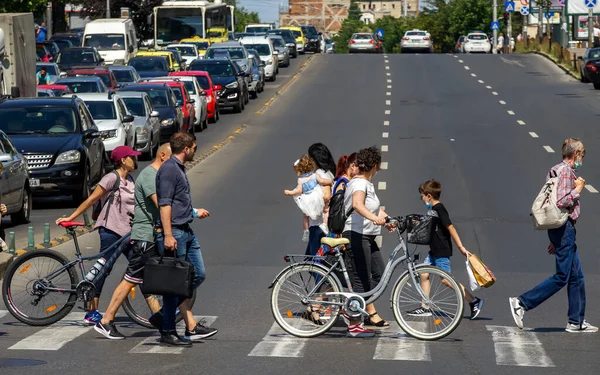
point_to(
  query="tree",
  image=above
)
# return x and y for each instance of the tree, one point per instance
(349, 27)
(37, 7)
(354, 12)
(244, 17)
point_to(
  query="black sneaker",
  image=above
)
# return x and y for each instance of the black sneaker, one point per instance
(419, 311)
(476, 307)
(200, 331)
(109, 331)
(172, 339)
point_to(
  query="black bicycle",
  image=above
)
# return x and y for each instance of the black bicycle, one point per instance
(42, 286)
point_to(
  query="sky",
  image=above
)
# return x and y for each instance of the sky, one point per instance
(268, 10)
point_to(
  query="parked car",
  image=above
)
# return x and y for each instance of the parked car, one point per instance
(60, 141)
(172, 60)
(266, 52)
(459, 48)
(288, 38)
(416, 41)
(258, 78)
(77, 57)
(228, 82)
(147, 125)
(113, 120)
(45, 92)
(477, 42)
(237, 52)
(51, 69)
(103, 73)
(150, 66)
(590, 67)
(299, 36)
(189, 52)
(15, 191)
(164, 101)
(58, 90)
(183, 100)
(124, 74)
(363, 42)
(329, 46)
(180, 62)
(83, 84)
(74, 38)
(283, 53)
(313, 43)
(63, 43)
(201, 44)
(205, 82)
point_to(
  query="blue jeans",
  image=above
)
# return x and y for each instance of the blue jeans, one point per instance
(314, 240)
(439, 262)
(107, 238)
(568, 271)
(186, 242)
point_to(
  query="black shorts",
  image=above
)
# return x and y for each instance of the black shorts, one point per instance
(140, 252)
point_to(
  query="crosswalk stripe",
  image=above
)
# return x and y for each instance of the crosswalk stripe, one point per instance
(396, 345)
(56, 336)
(515, 347)
(151, 345)
(278, 343)
(3, 313)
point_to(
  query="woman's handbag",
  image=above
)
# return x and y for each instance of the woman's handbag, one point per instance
(168, 276)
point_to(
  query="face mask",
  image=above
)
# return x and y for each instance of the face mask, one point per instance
(428, 205)
(578, 164)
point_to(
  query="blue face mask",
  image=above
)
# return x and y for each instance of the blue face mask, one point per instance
(428, 205)
(578, 164)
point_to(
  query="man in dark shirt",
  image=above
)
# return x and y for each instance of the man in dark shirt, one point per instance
(174, 234)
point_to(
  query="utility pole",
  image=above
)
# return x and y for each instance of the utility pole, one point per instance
(495, 19)
(405, 4)
(107, 8)
(49, 24)
(564, 39)
(590, 27)
(525, 24)
(540, 24)
(509, 32)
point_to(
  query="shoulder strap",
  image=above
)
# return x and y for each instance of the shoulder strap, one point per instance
(338, 182)
(111, 196)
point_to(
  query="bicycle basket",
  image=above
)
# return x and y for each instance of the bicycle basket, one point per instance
(419, 229)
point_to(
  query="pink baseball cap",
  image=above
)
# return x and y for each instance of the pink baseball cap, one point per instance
(121, 152)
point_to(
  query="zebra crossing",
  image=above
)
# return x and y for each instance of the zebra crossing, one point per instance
(512, 347)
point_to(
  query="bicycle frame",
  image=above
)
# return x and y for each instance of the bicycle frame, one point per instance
(80, 259)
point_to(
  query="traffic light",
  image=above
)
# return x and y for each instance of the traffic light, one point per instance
(505, 18)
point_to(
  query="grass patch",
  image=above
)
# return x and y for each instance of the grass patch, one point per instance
(553, 51)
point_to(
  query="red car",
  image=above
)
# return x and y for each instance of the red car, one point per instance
(59, 90)
(103, 73)
(212, 102)
(187, 103)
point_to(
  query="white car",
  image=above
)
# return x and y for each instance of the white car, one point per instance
(266, 52)
(147, 125)
(196, 92)
(112, 118)
(477, 42)
(188, 52)
(416, 41)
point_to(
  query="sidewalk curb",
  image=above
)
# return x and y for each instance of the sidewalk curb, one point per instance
(548, 57)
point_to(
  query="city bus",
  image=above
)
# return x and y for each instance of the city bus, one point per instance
(176, 20)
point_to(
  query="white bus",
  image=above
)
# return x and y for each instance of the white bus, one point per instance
(176, 20)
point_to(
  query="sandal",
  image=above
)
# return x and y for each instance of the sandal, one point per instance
(313, 316)
(381, 324)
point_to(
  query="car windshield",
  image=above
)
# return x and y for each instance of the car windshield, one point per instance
(135, 106)
(262, 49)
(105, 42)
(185, 51)
(76, 56)
(178, 94)
(149, 64)
(189, 85)
(361, 36)
(40, 120)
(415, 33)
(478, 37)
(221, 54)
(50, 69)
(78, 87)
(158, 98)
(62, 44)
(104, 77)
(124, 76)
(235, 53)
(42, 93)
(278, 42)
(76, 40)
(257, 29)
(102, 110)
(296, 33)
(309, 30)
(214, 70)
(203, 81)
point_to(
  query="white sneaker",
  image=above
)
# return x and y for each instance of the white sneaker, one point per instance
(584, 328)
(517, 311)
(305, 236)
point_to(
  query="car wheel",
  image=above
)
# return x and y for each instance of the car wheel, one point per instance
(22, 217)
(238, 107)
(85, 190)
(149, 155)
(274, 78)
(243, 101)
(254, 94)
(597, 86)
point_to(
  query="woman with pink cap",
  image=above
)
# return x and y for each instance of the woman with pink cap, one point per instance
(116, 194)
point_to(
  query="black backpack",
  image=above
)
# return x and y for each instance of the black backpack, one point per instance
(98, 206)
(337, 212)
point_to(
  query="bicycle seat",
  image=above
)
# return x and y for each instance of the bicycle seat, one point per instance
(71, 224)
(333, 242)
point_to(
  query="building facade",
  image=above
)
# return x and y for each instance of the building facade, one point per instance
(374, 10)
(326, 15)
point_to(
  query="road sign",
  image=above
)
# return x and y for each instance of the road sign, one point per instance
(509, 6)
(524, 10)
(379, 33)
(525, 2)
(589, 3)
(561, 2)
(549, 15)
(495, 26)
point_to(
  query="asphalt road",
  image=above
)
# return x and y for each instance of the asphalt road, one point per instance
(443, 123)
(47, 210)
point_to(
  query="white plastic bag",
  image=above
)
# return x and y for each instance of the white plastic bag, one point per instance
(473, 284)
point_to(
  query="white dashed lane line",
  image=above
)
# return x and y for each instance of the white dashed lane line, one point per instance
(533, 135)
(388, 93)
(385, 135)
(389, 86)
(388, 74)
(511, 113)
(460, 61)
(502, 102)
(549, 149)
(381, 185)
(387, 67)
(384, 165)
(494, 93)
(388, 102)
(473, 75)
(384, 148)
(387, 61)
(480, 81)
(591, 189)
(388, 112)
(467, 68)
(488, 87)
(386, 123)
(520, 122)
(389, 81)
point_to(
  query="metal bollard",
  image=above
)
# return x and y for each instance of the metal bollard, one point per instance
(11, 242)
(86, 219)
(47, 233)
(30, 239)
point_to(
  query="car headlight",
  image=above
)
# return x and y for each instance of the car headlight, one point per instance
(109, 134)
(232, 85)
(270, 61)
(255, 77)
(72, 156)
(167, 122)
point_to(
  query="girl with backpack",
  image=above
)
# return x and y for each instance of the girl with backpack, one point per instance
(113, 201)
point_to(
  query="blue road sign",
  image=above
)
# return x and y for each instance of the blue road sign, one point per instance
(589, 3)
(561, 2)
(495, 26)
(549, 15)
(379, 33)
(509, 6)
(524, 10)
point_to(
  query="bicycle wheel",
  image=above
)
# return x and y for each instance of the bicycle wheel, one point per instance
(137, 306)
(299, 313)
(443, 311)
(25, 293)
